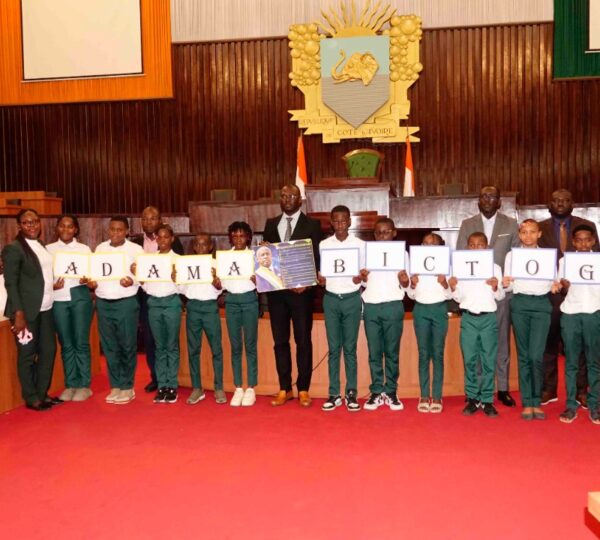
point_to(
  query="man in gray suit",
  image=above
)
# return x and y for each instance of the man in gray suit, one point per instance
(502, 233)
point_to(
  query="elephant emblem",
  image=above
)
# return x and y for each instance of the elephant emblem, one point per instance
(359, 67)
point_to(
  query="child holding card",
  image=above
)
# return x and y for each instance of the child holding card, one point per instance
(203, 315)
(164, 317)
(72, 311)
(384, 322)
(580, 328)
(342, 309)
(430, 319)
(530, 311)
(241, 316)
(118, 312)
(479, 332)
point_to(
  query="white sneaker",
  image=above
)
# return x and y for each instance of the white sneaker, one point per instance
(375, 401)
(249, 398)
(114, 394)
(67, 394)
(81, 394)
(238, 396)
(124, 397)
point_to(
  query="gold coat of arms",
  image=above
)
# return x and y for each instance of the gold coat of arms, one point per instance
(354, 69)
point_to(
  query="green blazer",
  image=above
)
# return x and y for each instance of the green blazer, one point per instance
(24, 281)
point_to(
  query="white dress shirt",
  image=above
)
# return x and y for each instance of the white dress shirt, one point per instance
(112, 289)
(477, 296)
(344, 285)
(383, 286)
(488, 226)
(47, 263)
(64, 294)
(532, 287)
(580, 298)
(429, 291)
(282, 226)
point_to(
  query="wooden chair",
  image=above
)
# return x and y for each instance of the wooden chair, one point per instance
(364, 162)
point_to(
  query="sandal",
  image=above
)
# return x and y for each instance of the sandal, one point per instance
(436, 406)
(424, 405)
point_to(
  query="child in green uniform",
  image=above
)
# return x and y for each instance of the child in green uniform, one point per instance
(241, 315)
(479, 332)
(384, 321)
(430, 320)
(202, 315)
(530, 311)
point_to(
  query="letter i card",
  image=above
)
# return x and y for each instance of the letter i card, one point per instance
(385, 256)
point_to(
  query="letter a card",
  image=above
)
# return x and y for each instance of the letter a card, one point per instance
(71, 265)
(582, 267)
(194, 269)
(153, 267)
(340, 262)
(385, 256)
(430, 260)
(235, 264)
(108, 266)
(533, 263)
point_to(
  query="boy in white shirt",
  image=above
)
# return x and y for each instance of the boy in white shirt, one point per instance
(342, 309)
(580, 328)
(384, 322)
(479, 332)
(118, 313)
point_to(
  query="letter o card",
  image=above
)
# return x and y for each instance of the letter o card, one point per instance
(340, 262)
(108, 266)
(473, 264)
(194, 269)
(235, 264)
(153, 267)
(533, 263)
(71, 265)
(385, 256)
(430, 260)
(582, 268)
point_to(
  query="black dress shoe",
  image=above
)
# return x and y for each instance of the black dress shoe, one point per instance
(53, 400)
(582, 400)
(471, 407)
(506, 399)
(152, 386)
(490, 410)
(38, 406)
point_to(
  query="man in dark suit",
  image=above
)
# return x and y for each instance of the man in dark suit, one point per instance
(292, 305)
(502, 233)
(151, 219)
(556, 233)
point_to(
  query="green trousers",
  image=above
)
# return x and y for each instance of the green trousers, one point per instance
(581, 333)
(479, 345)
(342, 321)
(203, 315)
(117, 324)
(72, 320)
(164, 316)
(241, 316)
(530, 317)
(431, 327)
(384, 324)
(35, 361)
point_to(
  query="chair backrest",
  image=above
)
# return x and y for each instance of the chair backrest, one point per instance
(363, 162)
(222, 195)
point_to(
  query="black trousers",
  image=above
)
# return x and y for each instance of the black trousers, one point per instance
(286, 307)
(553, 344)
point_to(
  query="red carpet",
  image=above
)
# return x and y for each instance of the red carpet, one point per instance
(91, 470)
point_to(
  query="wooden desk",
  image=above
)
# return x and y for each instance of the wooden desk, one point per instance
(10, 389)
(40, 201)
(268, 383)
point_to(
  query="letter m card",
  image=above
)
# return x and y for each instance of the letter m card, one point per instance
(194, 269)
(533, 263)
(340, 262)
(71, 265)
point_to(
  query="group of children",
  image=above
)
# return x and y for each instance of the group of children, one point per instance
(380, 306)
